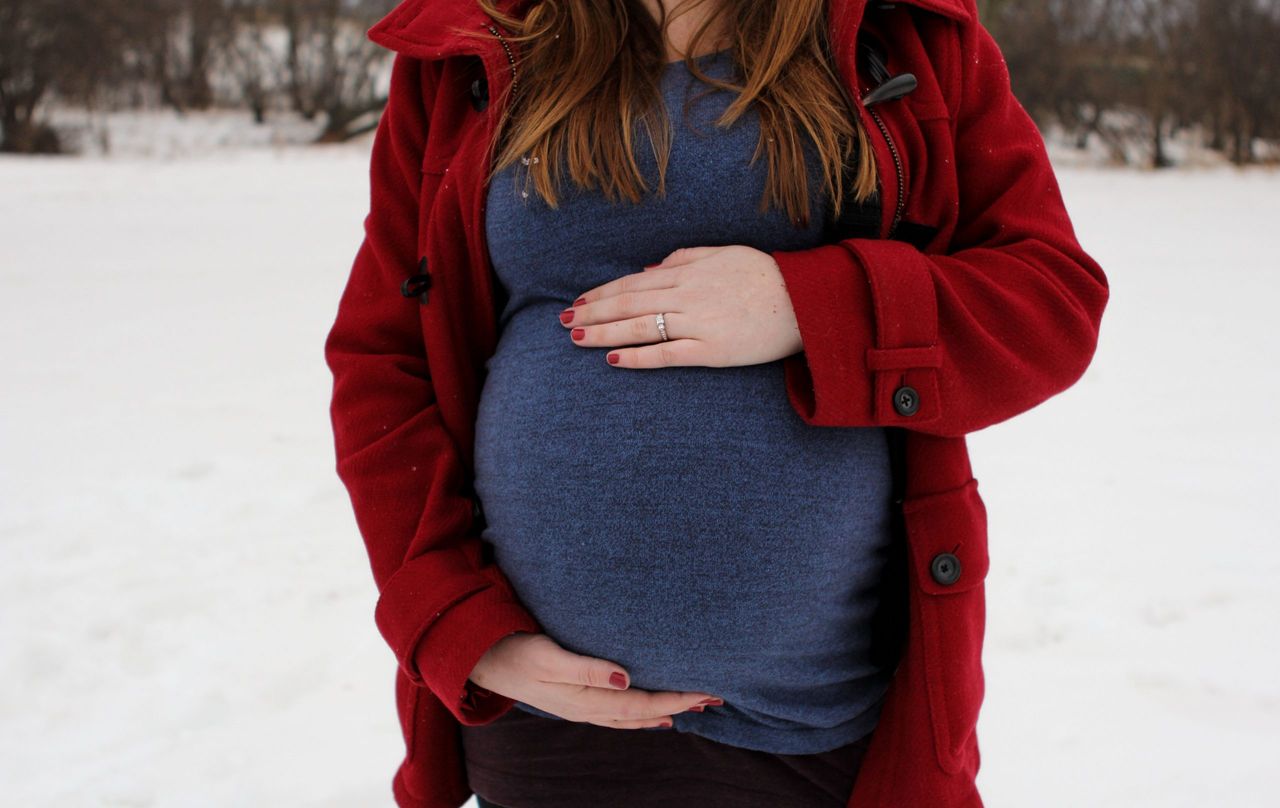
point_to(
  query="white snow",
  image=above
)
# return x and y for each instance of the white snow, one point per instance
(185, 603)
(162, 133)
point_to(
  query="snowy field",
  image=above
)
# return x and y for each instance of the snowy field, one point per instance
(186, 612)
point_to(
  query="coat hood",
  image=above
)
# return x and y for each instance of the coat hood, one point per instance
(425, 29)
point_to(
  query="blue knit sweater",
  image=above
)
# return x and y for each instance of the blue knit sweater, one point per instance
(682, 522)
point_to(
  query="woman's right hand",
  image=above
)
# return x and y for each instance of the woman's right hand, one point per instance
(536, 670)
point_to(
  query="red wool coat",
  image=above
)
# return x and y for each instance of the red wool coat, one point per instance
(975, 305)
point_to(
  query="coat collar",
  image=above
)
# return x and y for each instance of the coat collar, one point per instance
(424, 28)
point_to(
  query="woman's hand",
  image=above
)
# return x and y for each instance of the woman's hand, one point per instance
(723, 306)
(536, 670)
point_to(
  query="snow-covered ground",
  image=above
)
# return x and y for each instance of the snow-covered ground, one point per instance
(185, 604)
(163, 134)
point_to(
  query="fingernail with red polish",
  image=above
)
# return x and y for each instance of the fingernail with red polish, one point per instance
(613, 358)
(651, 266)
(566, 316)
(579, 301)
(578, 333)
(665, 725)
(698, 708)
(712, 702)
(618, 680)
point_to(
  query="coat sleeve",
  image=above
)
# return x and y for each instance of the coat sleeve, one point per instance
(1005, 320)
(440, 606)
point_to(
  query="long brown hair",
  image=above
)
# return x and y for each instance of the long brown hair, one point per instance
(589, 69)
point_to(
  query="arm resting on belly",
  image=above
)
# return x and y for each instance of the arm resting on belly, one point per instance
(1007, 320)
(440, 606)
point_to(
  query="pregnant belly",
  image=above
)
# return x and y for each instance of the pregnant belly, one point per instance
(683, 522)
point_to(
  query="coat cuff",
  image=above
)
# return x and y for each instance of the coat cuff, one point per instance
(827, 382)
(439, 614)
(456, 640)
(868, 323)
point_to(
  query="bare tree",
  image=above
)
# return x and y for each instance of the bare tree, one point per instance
(47, 48)
(257, 68)
(332, 67)
(1237, 73)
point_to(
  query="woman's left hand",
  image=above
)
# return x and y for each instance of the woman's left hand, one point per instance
(723, 306)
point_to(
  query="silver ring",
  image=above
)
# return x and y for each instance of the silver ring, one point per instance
(662, 325)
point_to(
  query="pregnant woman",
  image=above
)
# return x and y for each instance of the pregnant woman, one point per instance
(682, 522)
(651, 381)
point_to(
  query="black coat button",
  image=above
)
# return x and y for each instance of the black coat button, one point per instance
(480, 94)
(945, 568)
(906, 400)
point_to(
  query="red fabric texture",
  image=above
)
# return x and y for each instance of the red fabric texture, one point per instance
(998, 312)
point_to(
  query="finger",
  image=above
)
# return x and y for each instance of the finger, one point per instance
(597, 704)
(634, 282)
(561, 666)
(641, 330)
(684, 255)
(672, 353)
(625, 305)
(663, 721)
